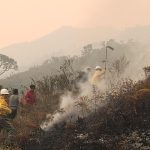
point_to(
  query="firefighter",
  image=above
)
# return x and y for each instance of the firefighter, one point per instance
(97, 76)
(5, 111)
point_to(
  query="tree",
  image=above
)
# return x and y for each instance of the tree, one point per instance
(7, 64)
(120, 65)
(87, 49)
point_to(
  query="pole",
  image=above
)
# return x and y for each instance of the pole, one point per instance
(106, 59)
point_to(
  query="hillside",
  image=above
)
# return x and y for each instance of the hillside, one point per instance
(66, 40)
(132, 51)
(118, 125)
(69, 41)
(116, 120)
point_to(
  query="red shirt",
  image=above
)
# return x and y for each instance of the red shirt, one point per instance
(30, 97)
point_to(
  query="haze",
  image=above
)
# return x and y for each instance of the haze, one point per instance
(26, 20)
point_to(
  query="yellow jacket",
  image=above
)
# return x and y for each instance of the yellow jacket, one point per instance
(4, 109)
(97, 77)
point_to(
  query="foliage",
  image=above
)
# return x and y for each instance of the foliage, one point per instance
(147, 71)
(115, 125)
(119, 66)
(7, 64)
(91, 57)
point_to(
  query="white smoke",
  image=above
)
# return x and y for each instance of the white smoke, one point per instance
(69, 111)
(66, 111)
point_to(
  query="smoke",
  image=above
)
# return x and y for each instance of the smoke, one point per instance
(138, 60)
(70, 104)
(72, 107)
(66, 111)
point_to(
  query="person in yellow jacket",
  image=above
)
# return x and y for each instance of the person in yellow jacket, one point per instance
(97, 76)
(4, 112)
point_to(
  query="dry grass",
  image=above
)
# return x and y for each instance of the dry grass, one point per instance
(123, 101)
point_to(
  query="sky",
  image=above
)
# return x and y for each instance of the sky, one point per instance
(26, 20)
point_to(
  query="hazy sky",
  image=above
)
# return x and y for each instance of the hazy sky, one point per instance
(25, 20)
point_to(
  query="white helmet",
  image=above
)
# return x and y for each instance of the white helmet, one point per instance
(97, 67)
(4, 92)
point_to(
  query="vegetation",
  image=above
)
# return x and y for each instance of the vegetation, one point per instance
(115, 118)
(117, 112)
(7, 64)
(90, 57)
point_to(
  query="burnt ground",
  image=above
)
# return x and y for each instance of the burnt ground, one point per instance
(94, 133)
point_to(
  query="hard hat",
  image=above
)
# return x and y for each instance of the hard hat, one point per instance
(4, 92)
(97, 67)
